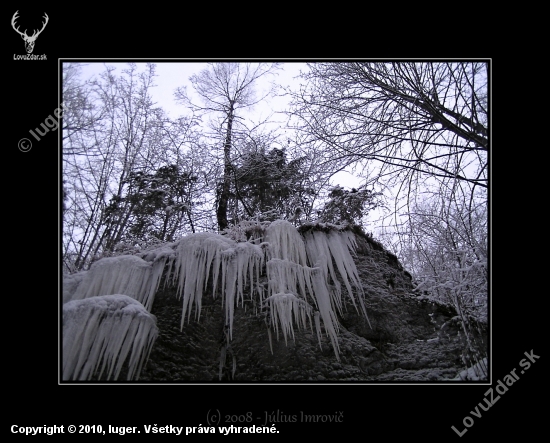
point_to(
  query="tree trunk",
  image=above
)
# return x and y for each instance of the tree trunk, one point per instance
(224, 195)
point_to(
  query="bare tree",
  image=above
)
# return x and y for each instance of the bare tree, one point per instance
(415, 128)
(224, 89)
(419, 131)
(83, 116)
(100, 157)
(446, 249)
(429, 118)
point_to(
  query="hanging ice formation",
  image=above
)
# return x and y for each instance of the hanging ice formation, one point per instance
(125, 274)
(302, 275)
(99, 333)
(291, 280)
(105, 314)
(335, 246)
(197, 254)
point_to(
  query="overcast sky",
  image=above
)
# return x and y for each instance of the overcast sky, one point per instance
(171, 75)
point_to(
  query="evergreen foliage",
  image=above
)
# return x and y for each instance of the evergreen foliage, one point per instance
(350, 207)
(269, 186)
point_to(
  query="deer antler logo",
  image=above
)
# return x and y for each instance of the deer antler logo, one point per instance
(29, 41)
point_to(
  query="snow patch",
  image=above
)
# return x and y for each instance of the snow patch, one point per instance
(475, 372)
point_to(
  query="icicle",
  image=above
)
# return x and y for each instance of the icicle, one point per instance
(103, 330)
(285, 242)
(340, 244)
(285, 276)
(270, 340)
(249, 261)
(238, 262)
(196, 253)
(335, 247)
(286, 309)
(290, 280)
(229, 278)
(318, 328)
(124, 274)
(327, 314)
(318, 252)
(163, 259)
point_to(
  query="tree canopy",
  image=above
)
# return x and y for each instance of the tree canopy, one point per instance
(416, 133)
(224, 88)
(428, 119)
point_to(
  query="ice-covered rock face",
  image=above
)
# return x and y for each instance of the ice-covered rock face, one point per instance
(100, 332)
(286, 256)
(388, 351)
(299, 274)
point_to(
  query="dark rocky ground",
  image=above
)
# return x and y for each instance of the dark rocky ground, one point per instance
(405, 344)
